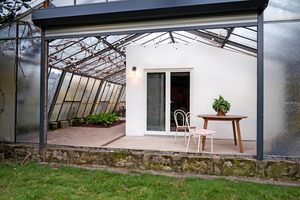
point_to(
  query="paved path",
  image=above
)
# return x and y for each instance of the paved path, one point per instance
(83, 136)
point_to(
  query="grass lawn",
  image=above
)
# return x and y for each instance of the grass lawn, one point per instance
(34, 181)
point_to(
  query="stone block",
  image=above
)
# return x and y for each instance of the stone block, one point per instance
(238, 167)
(76, 122)
(282, 170)
(64, 124)
(197, 165)
(261, 169)
(158, 162)
(53, 125)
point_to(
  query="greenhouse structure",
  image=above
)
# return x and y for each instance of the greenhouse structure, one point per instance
(62, 61)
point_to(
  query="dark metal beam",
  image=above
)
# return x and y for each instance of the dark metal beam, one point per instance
(171, 36)
(260, 87)
(227, 37)
(16, 82)
(111, 46)
(43, 91)
(130, 11)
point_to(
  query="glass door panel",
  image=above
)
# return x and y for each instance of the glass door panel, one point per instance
(156, 101)
(180, 94)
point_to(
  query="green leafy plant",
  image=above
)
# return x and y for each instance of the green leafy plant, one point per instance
(102, 118)
(221, 104)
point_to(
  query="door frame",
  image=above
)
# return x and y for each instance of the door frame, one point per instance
(168, 71)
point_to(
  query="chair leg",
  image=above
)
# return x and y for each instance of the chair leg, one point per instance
(211, 144)
(187, 147)
(199, 140)
(175, 135)
(185, 137)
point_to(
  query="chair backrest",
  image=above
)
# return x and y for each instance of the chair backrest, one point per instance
(179, 114)
(193, 120)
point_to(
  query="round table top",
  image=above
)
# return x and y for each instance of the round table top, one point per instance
(215, 116)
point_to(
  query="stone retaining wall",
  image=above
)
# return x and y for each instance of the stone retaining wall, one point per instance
(276, 169)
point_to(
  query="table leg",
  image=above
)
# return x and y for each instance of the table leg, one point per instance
(204, 137)
(234, 133)
(239, 135)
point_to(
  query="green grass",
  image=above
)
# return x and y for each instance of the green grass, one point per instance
(34, 181)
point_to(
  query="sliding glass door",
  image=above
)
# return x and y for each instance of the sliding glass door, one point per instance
(166, 92)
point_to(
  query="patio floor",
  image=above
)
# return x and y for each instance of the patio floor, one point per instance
(114, 137)
(166, 143)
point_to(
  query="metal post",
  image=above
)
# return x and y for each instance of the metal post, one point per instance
(260, 86)
(43, 90)
(16, 83)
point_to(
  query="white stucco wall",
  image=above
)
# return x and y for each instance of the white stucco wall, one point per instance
(214, 71)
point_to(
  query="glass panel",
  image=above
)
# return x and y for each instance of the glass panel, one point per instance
(281, 89)
(109, 108)
(55, 113)
(96, 108)
(88, 90)
(73, 110)
(64, 111)
(8, 32)
(100, 94)
(87, 110)
(28, 99)
(81, 110)
(53, 80)
(111, 89)
(7, 91)
(282, 10)
(94, 92)
(180, 94)
(29, 29)
(80, 89)
(58, 3)
(156, 101)
(73, 88)
(64, 88)
(243, 41)
(103, 107)
(78, 2)
(106, 89)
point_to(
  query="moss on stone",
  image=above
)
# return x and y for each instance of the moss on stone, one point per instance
(118, 155)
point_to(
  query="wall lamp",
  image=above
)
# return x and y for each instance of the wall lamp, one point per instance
(133, 71)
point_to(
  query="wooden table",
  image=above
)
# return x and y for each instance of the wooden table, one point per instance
(234, 118)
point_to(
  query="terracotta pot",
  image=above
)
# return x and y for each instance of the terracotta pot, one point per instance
(221, 113)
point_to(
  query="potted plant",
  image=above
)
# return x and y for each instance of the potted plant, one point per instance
(221, 106)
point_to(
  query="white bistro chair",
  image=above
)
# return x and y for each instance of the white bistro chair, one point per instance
(197, 132)
(180, 121)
